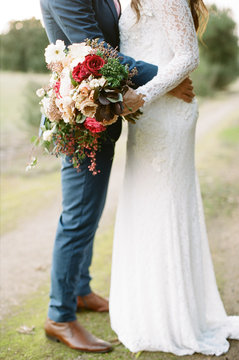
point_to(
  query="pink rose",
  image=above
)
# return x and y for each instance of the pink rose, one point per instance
(94, 126)
(57, 89)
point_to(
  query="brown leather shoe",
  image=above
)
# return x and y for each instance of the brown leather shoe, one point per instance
(75, 336)
(92, 302)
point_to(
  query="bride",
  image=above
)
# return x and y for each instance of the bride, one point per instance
(164, 295)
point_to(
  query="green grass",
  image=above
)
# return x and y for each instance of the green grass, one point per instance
(12, 87)
(25, 195)
(219, 197)
(230, 136)
(22, 194)
(218, 155)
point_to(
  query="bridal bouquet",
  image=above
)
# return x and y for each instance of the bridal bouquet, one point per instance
(84, 96)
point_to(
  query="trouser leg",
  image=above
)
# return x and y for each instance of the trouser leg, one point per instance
(83, 284)
(83, 202)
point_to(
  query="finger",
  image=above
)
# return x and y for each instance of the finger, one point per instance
(186, 80)
(182, 89)
(188, 83)
(190, 94)
(172, 92)
(186, 99)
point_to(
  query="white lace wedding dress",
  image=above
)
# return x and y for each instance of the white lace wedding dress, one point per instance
(164, 295)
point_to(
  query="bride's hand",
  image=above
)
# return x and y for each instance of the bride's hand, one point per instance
(132, 102)
(184, 91)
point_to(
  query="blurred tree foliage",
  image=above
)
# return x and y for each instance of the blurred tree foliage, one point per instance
(219, 53)
(22, 47)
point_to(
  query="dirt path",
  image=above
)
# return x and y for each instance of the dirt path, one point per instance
(25, 253)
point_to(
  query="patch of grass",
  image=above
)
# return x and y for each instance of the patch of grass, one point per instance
(217, 163)
(23, 195)
(219, 197)
(230, 136)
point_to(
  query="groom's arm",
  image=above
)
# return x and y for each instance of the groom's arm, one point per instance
(77, 18)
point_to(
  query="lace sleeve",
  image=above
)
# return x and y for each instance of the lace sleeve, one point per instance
(176, 20)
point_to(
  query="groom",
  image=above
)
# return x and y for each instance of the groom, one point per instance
(84, 194)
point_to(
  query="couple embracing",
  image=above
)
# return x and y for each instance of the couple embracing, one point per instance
(163, 293)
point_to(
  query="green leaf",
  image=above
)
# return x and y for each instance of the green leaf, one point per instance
(33, 139)
(115, 100)
(32, 164)
(80, 119)
(100, 53)
(114, 72)
(112, 100)
(74, 83)
(138, 354)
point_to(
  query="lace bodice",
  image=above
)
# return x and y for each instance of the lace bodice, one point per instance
(169, 41)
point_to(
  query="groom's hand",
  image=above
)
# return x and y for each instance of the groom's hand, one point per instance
(184, 91)
(132, 102)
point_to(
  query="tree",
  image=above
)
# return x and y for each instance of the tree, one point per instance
(219, 53)
(22, 47)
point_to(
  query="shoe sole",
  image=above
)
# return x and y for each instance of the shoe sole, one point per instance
(55, 339)
(85, 309)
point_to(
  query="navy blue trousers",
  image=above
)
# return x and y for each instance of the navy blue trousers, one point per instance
(83, 201)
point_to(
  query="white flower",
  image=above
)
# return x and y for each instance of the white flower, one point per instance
(77, 54)
(40, 92)
(66, 85)
(53, 79)
(46, 104)
(94, 83)
(75, 62)
(47, 135)
(97, 82)
(66, 107)
(102, 81)
(55, 52)
(79, 51)
(66, 101)
(50, 93)
(83, 84)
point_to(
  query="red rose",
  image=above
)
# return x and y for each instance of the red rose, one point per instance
(80, 72)
(93, 125)
(94, 63)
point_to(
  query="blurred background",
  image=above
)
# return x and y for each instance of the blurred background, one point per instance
(31, 202)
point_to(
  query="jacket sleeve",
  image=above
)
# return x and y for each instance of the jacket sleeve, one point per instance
(77, 19)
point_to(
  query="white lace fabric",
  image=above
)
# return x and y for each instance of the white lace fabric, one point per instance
(164, 295)
(175, 19)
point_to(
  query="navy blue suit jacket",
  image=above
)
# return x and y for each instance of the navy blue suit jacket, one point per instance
(81, 19)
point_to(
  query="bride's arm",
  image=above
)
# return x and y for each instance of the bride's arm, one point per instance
(174, 16)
